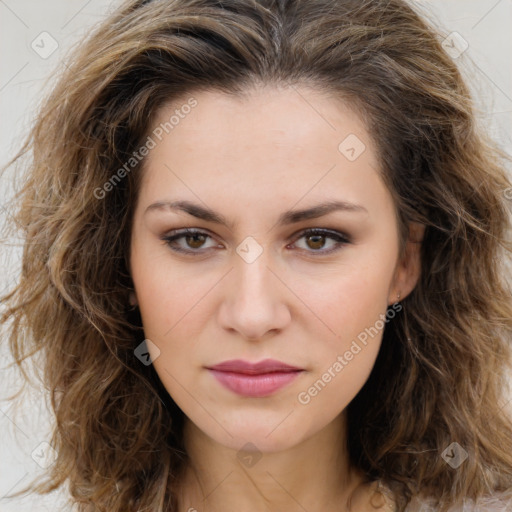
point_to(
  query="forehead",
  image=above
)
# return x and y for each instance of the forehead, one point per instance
(277, 144)
(293, 116)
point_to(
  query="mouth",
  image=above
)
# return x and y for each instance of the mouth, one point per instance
(254, 379)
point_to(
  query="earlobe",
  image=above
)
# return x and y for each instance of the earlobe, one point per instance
(416, 232)
(408, 269)
(133, 299)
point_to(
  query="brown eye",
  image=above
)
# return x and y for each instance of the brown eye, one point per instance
(317, 239)
(193, 241)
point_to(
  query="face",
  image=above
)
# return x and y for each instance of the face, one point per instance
(264, 273)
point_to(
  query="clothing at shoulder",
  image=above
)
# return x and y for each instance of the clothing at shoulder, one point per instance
(498, 502)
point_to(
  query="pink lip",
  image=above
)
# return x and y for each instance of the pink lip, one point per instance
(254, 379)
(264, 366)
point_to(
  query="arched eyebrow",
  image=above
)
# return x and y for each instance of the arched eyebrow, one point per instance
(286, 218)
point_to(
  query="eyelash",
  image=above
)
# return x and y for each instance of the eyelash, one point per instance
(340, 238)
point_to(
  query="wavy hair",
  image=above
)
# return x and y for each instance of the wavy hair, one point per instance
(441, 371)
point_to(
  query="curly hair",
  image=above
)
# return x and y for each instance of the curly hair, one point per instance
(117, 432)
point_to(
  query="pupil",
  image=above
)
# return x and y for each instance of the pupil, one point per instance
(319, 239)
(195, 237)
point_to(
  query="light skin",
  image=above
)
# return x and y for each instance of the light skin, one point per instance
(250, 160)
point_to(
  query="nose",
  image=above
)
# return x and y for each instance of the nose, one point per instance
(254, 304)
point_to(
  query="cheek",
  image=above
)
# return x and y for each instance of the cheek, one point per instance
(347, 299)
(354, 309)
(173, 303)
(168, 293)
(352, 303)
(330, 392)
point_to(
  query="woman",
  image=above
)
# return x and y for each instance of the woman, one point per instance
(264, 265)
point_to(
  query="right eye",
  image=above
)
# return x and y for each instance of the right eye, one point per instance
(194, 239)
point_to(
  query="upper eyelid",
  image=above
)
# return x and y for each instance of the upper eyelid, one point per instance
(203, 231)
(328, 232)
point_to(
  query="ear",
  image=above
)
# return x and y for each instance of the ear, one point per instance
(133, 299)
(408, 268)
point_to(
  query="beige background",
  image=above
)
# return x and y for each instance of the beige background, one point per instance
(25, 64)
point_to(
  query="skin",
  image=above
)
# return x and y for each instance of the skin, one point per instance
(250, 160)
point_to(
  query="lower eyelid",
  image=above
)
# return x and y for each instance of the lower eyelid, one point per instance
(340, 238)
(172, 238)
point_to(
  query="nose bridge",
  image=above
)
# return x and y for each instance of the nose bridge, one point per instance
(251, 272)
(253, 304)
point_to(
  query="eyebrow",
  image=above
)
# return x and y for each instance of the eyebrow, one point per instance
(288, 217)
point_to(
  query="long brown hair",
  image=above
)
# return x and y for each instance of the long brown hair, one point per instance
(442, 367)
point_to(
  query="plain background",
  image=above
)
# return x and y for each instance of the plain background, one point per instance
(31, 29)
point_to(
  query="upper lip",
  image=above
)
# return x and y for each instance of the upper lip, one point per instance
(264, 366)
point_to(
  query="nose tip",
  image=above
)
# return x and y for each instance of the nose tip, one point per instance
(254, 305)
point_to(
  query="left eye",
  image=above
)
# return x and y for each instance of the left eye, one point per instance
(315, 240)
(193, 238)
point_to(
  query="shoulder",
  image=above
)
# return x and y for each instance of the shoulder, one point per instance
(497, 502)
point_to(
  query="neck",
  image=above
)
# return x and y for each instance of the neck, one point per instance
(312, 475)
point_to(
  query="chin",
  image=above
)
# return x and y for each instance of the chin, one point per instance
(257, 431)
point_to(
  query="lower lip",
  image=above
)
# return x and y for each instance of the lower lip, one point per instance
(254, 385)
